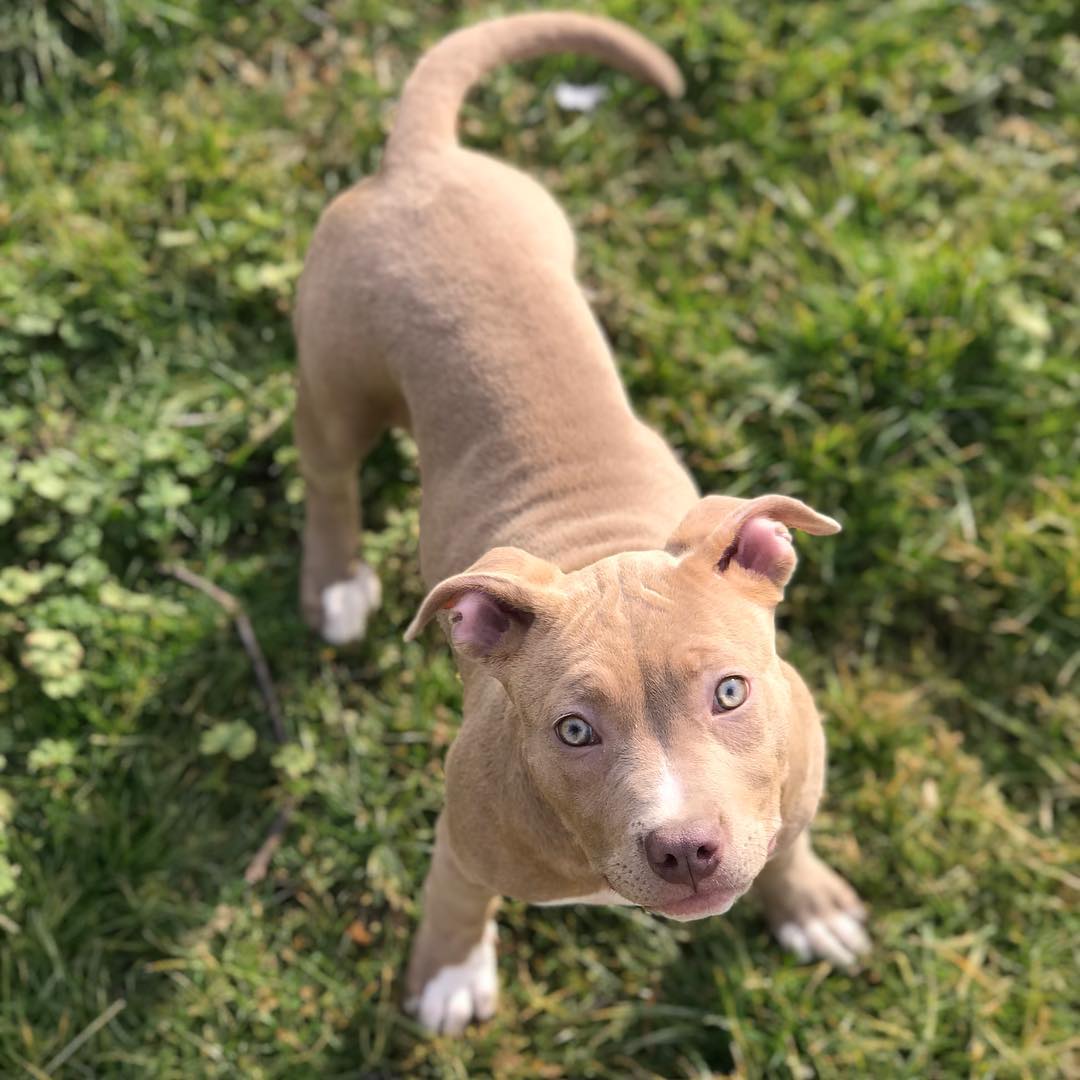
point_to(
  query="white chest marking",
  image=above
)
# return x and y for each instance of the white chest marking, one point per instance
(601, 896)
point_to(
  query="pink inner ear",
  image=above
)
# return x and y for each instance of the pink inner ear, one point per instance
(477, 621)
(765, 546)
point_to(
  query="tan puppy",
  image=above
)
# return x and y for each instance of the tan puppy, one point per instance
(630, 734)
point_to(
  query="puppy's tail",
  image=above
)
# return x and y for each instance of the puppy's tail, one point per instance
(434, 93)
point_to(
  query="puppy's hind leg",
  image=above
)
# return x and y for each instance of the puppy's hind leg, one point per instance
(338, 590)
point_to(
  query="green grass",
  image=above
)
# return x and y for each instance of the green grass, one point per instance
(842, 268)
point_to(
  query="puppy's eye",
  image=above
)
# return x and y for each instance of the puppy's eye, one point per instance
(574, 731)
(731, 692)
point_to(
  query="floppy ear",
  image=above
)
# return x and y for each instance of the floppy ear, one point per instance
(492, 604)
(749, 540)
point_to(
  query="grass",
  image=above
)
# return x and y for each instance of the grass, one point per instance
(843, 268)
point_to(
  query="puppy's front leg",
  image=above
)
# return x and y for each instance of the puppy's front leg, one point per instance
(452, 976)
(812, 910)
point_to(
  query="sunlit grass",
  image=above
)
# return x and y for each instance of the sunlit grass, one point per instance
(841, 268)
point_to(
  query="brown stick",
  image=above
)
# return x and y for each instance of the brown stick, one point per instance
(260, 861)
(246, 633)
(85, 1035)
(259, 865)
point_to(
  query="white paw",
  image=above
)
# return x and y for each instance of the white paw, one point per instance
(346, 606)
(837, 936)
(461, 992)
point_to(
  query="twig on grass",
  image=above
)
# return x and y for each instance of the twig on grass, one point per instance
(85, 1035)
(260, 863)
(246, 633)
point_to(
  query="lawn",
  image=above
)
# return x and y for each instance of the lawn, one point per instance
(843, 268)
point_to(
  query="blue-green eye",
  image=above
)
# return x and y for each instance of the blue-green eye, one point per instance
(731, 692)
(574, 731)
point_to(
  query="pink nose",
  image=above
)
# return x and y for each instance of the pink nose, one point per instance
(684, 854)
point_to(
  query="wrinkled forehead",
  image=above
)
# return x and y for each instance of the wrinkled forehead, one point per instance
(644, 614)
(623, 592)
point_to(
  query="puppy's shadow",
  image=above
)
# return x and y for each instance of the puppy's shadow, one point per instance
(701, 987)
(655, 992)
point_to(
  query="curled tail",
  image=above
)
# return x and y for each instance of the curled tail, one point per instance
(435, 91)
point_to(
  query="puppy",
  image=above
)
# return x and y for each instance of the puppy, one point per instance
(630, 735)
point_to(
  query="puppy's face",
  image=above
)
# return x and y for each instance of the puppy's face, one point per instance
(654, 711)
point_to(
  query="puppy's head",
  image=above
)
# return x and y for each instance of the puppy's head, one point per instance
(654, 713)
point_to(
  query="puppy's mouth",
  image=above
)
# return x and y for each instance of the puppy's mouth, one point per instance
(696, 905)
(699, 905)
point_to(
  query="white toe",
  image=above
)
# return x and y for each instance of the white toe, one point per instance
(826, 944)
(485, 995)
(346, 606)
(850, 931)
(791, 936)
(458, 1011)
